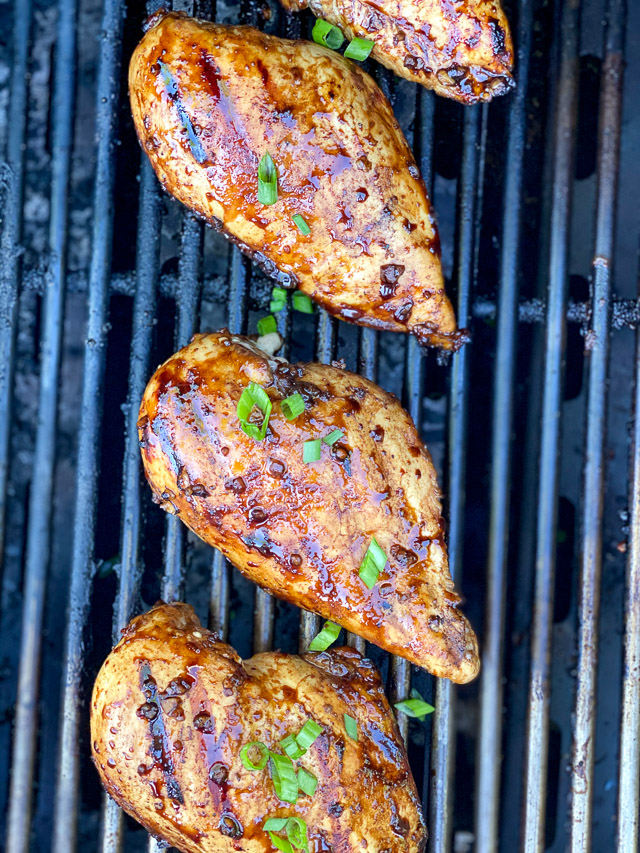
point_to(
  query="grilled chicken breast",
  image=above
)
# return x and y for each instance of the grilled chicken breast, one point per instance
(301, 530)
(173, 707)
(460, 50)
(209, 101)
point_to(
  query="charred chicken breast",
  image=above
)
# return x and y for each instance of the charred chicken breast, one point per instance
(304, 525)
(352, 225)
(460, 50)
(181, 731)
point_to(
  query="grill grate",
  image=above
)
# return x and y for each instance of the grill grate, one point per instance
(544, 503)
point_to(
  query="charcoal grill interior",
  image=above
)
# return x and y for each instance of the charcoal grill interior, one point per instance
(531, 425)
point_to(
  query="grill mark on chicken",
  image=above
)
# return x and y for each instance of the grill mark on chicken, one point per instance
(159, 750)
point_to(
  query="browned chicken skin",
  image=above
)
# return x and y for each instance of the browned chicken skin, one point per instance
(209, 101)
(461, 50)
(172, 708)
(301, 530)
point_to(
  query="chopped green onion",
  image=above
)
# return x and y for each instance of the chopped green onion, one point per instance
(308, 734)
(351, 726)
(334, 436)
(254, 395)
(297, 833)
(323, 640)
(302, 303)
(267, 324)
(275, 824)
(311, 450)
(307, 782)
(267, 180)
(373, 563)
(281, 843)
(284, 777)
(292, 748)
(292, 406)
(415, 706)
(359, 49)
(248, 754)
(325, 33)
(302, 226)
(278, 299)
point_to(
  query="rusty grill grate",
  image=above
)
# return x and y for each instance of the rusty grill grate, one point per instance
(102, 277)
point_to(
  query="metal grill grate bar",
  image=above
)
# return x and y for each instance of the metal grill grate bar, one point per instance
(594, 472)
(563, 144)
(38, 530)
(443, 745)
(489, 755)
(66, 802)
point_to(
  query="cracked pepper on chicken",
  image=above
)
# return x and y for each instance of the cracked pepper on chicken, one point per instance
(336, 509)
(210, 102)
(185, 736)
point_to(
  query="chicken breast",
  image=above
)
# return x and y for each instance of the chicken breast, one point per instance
(209, 101)
(301, 530)
(173, 707)
(460, 50)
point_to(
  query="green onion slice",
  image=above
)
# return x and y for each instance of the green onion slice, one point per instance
(373, 563)
(325, 33)
(302, 303)
(281, 843)
(292, 748)
(301, 225)
(254, 395)
(308, 734)
(267, 324)
(311, 450)
(278, 299)
(323, 640)
(293, 406)
(415, 707)
(307, 782)
(334, 436)
(359, 49)
(248, 755)
(284, 777)
(275, 824)
(267, 180)
(351, 726)
(297, 833)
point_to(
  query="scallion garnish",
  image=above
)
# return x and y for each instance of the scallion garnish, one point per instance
(278, 299)
(302, 303)
(297, 833)
(254, 395)
(293, 406)
(373, 563)
(284, 777)
(359, 49)
(292, 748)
(301, 225)
(311, 450)
(281, 843)
(351, 727)
(326, 34)
(254, 755)
(296, 830)
(334, 436)
(415, 706)
(308, 734)
(275, 824)
(323, 640)
(267, 180)
(267, 324)
(307, 782)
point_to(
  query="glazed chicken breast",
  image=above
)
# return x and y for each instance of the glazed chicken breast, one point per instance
(303, 529)
(210, 101)
(460, 50)
(176, 715)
